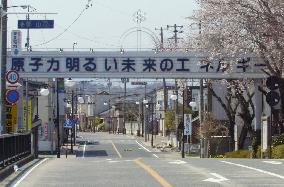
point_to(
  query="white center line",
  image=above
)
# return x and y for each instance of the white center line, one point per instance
(84, 150)
(27, 173)
(143, 146)
(255, 169)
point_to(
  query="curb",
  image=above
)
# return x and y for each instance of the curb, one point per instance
(10, 169)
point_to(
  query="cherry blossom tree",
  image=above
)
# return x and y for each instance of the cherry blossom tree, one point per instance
(240, 27)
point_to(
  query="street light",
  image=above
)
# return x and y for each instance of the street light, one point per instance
(44, 91)
(75, 43)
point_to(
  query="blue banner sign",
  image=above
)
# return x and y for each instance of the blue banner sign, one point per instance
(35, 24)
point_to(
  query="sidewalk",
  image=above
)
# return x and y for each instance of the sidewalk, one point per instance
(160, 143)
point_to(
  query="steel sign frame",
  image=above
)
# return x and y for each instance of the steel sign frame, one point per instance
(145, 64)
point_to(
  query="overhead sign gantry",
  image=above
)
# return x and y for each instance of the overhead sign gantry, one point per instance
(76, 64)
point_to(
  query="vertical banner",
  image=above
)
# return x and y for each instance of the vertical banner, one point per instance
(187, 124)
(29, 114)
(9, 124)
(14, 118)
(16, 42)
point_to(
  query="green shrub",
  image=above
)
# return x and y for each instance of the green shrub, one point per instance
(278, 151)
(238, 154)
(102, 127)
(216, 156)
(278, 140)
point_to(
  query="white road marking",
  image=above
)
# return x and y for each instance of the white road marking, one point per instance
(114, 147)
(143, 146)
(25, 174)
(218, 179)
(155, 155)
(113, 161)
(84, 150)
(272, 162)
(255, 169)
(178, 162)
(108, 159)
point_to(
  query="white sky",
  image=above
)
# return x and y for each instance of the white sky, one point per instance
(102, 25)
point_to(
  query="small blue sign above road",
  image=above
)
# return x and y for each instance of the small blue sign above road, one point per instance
(12, 96)
(35, 24)
(68, 123)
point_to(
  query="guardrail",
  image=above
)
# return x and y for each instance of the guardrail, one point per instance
(13, 148)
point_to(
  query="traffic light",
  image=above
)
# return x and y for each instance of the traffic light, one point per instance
(273, 96)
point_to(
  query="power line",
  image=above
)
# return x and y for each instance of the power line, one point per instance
(65, 30)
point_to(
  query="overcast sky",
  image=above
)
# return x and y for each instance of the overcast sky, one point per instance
(102, 25)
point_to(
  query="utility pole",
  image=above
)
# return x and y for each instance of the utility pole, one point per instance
(72, 117)
(28, 30)
(3, 59)
(161, 29)
(177, 29)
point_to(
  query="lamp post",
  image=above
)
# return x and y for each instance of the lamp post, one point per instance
(139, 117)
(145, 101)
(57, 119)
(74, 43)
(70, 83)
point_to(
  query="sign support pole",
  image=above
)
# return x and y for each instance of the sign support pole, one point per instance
(27, 105)
(182, 151)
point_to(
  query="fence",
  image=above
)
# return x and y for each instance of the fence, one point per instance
(14, 147)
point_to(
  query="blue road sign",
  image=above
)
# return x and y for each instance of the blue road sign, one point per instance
(35, 24)
(68, 123)
(12, 96)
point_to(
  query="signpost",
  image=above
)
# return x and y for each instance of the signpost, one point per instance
(68, 123)
(35, 24)
(187, 124)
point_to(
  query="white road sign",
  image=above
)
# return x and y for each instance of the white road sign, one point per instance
(187, 124)
(16, 42)
(12, 77)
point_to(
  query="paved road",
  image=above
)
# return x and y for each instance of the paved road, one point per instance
(119, 160)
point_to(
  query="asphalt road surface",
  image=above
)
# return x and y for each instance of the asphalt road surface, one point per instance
(109, 160)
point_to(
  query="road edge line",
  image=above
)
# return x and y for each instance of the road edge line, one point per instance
(155, 155)
(255, 169)
(114, 147)
(153, 173)
(143, 146)
(26, 173)
(84, 150)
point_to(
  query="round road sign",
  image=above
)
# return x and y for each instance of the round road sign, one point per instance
(12, 77)
(12, 96)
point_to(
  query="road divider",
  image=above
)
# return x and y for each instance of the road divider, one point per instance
(153, 173)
